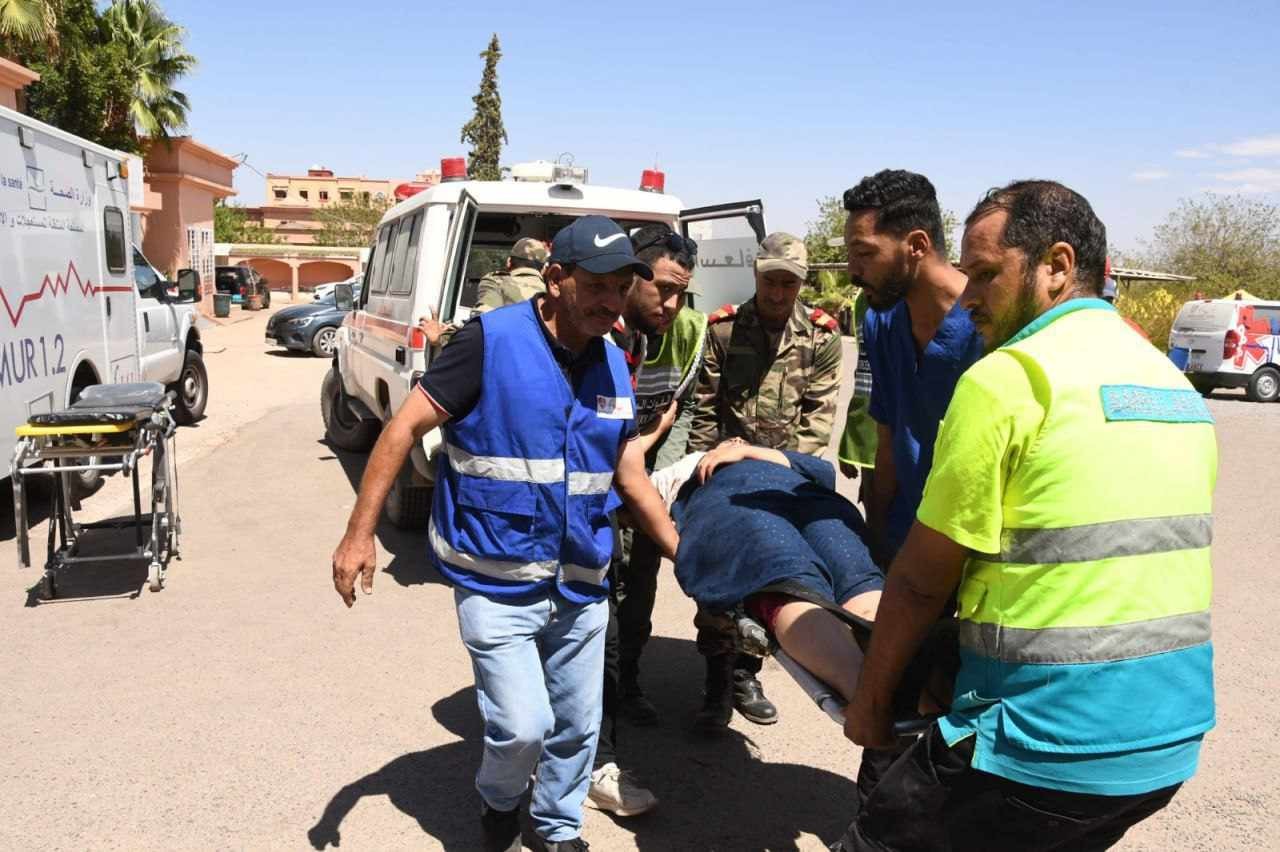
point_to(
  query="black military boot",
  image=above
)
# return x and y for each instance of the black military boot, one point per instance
(749, 698)
(717, 701)
(635, 705)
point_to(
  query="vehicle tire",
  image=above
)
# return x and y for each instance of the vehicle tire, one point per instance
(1264, 385)
(324, 340)
(343, 428)
(408, 506)
(191, 389)
(84, 483)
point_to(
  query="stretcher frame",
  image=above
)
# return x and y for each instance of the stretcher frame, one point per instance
(59, 450)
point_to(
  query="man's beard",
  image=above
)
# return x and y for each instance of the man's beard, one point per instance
(1019, 315)
(883, 296)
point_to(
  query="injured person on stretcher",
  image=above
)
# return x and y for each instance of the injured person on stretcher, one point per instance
(764, 531)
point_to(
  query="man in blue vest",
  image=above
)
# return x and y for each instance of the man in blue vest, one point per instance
(537, 412)
(1069, 510)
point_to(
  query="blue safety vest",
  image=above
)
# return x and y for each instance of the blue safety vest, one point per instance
(524, 482)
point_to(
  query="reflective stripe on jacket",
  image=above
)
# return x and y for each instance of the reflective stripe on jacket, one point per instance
(524, 483)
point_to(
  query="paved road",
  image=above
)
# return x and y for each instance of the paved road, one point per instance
(244, 707)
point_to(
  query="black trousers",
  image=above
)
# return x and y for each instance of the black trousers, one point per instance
(607, 748)
(930, 798)
(637, 571)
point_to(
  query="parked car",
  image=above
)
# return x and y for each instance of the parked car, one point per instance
(325, 291)
(1228, 343)
(242, 282)
(308, 328)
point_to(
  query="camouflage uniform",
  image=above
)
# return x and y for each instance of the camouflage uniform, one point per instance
(508, 287)
(774, 390)
(780, 394)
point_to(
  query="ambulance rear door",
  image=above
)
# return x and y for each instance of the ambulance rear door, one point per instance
(728, 236)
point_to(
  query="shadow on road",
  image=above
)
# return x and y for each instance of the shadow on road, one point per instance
(715, 793)
(410, 563)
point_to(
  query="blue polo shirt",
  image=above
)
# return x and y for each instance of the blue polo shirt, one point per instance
(910, 394)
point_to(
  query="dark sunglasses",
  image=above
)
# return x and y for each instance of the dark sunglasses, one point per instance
(673, 241)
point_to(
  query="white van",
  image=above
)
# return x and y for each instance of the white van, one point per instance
(430, 253)
(1228, 343)
(79, 304)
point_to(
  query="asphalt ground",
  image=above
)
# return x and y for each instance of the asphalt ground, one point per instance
(244, 707)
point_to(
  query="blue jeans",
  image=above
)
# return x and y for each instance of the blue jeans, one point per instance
(538, 666)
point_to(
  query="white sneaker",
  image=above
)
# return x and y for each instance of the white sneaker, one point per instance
(612, 789)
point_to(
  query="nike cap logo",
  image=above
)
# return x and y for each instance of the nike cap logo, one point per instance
(601, 243)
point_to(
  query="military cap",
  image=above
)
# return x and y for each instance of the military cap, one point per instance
(781, 250)
(530, 249)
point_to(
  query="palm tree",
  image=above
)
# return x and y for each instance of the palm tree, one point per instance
(154, 46)
(28, 21)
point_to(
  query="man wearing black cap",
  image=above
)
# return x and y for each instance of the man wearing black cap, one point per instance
(537, 410)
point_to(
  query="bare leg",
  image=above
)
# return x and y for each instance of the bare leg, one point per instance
(822, 643)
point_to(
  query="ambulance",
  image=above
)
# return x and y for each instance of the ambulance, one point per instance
(79, 303)
(1229, 343)
(432, 249)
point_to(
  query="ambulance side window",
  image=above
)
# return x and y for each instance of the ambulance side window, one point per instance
(144, 277)
(113, 233)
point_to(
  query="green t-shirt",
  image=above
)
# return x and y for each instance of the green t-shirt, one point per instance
(858, 443)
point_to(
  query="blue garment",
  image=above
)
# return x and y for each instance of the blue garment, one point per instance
(524, 485)
(537, 666)
(910, 394)
(755, 523)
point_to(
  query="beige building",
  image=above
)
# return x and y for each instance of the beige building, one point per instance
(13, 79)
(292, 200)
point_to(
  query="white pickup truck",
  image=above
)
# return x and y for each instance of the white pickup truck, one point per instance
(429, 254)
(79, 304)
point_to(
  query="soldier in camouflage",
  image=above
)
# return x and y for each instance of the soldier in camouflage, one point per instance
(771, 377)
(519, 281)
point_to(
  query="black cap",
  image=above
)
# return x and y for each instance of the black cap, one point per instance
(598, 245)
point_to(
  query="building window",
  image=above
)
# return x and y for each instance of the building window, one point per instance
(280, 193)
(344, 195)
(324, 195)
(364, 196)
(302, 193)
(200, 252)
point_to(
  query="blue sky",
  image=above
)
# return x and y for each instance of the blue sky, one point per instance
(1134, 104)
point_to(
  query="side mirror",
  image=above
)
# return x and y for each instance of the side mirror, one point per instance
(188, 285)
(343, 297)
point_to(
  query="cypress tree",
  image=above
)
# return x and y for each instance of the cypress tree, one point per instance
(485, 131)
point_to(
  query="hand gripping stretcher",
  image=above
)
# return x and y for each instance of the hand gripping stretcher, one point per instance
(109, 428)
(936, 662)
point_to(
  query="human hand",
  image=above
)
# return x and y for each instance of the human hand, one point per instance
(355, 556)
(432, 328)
(866, 724)
(668, 418)
(728, 452)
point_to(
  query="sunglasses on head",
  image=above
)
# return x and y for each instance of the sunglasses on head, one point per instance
(673, 241)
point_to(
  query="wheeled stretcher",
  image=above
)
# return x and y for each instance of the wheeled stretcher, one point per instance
(936, 663)
(109, 428)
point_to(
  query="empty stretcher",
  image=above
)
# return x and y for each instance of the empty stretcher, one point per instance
(109, 428)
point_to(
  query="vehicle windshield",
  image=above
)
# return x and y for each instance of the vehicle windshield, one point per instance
(1204, 316)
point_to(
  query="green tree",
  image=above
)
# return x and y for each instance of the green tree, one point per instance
(157, 60)
(349, 223)
(484, 131)
(231, 225)
(1227, 242)
(28, 21)
(86, 81)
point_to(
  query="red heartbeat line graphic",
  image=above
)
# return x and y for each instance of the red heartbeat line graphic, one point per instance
(54, 286)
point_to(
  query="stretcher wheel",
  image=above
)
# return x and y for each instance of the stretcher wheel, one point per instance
(153, 577)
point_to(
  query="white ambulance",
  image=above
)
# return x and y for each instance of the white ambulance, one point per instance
(79, 304)
(431, 251)
(1229, 343)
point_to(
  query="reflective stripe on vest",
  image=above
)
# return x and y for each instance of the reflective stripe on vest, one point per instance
(537, 471)
(519, 571)
(1091, 542)
(1068, 645)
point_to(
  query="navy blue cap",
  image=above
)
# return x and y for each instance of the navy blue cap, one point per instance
(598, 245)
